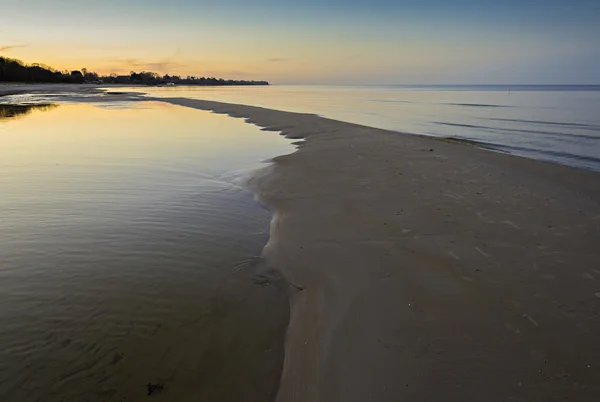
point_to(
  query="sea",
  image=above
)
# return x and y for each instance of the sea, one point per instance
(130, 246)
(554, 123)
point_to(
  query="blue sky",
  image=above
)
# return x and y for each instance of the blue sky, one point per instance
(337, 42)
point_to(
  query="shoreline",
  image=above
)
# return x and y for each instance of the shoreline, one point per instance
(426, 270)
(27, 88)
(422, 269)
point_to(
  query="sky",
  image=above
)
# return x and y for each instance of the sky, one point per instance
(339, 42)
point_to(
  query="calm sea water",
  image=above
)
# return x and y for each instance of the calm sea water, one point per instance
(128, 255)
(560, 124)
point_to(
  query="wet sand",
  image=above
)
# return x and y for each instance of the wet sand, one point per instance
(16, 88)
(81, 93)
(422, 269)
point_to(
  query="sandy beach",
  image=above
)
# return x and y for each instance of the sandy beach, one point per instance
(16, 88)
(70, 92)
(427, 270)
(300, 201)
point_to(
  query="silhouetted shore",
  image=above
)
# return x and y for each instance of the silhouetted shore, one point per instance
(13, 70)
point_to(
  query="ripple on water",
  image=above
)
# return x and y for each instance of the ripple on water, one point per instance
(129, 255)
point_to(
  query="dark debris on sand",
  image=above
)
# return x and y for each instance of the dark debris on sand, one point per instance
(154, 388)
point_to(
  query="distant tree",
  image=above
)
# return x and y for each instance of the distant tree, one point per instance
(12, 70)
(89, 75)
(135, 77)
(76, 76)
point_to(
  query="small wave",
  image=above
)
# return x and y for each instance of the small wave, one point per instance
(550, 123)
(441, 123)
(566, 158)
(556, 154)
(516, 130)
(390, 101)
(466, 141)
(474, 105)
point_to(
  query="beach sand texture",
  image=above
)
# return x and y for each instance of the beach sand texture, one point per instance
(422, 270)
(425, 270)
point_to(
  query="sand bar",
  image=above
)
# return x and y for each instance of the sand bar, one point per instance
(423, 270)
(428, 270)
(16, 88)
(72, 92)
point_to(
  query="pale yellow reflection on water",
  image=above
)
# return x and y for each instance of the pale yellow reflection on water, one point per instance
(128, 255)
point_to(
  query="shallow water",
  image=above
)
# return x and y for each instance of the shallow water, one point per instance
(559, 124)
(129, 255)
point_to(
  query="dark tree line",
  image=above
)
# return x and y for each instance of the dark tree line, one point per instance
(12, 70)
(150, 78)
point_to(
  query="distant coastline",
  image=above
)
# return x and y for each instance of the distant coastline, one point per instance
(13, 70)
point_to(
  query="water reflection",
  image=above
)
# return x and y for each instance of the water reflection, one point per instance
(128, 256)
(8, 111)
(541, 122)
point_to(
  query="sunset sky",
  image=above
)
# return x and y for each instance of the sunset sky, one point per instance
(310, 41)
